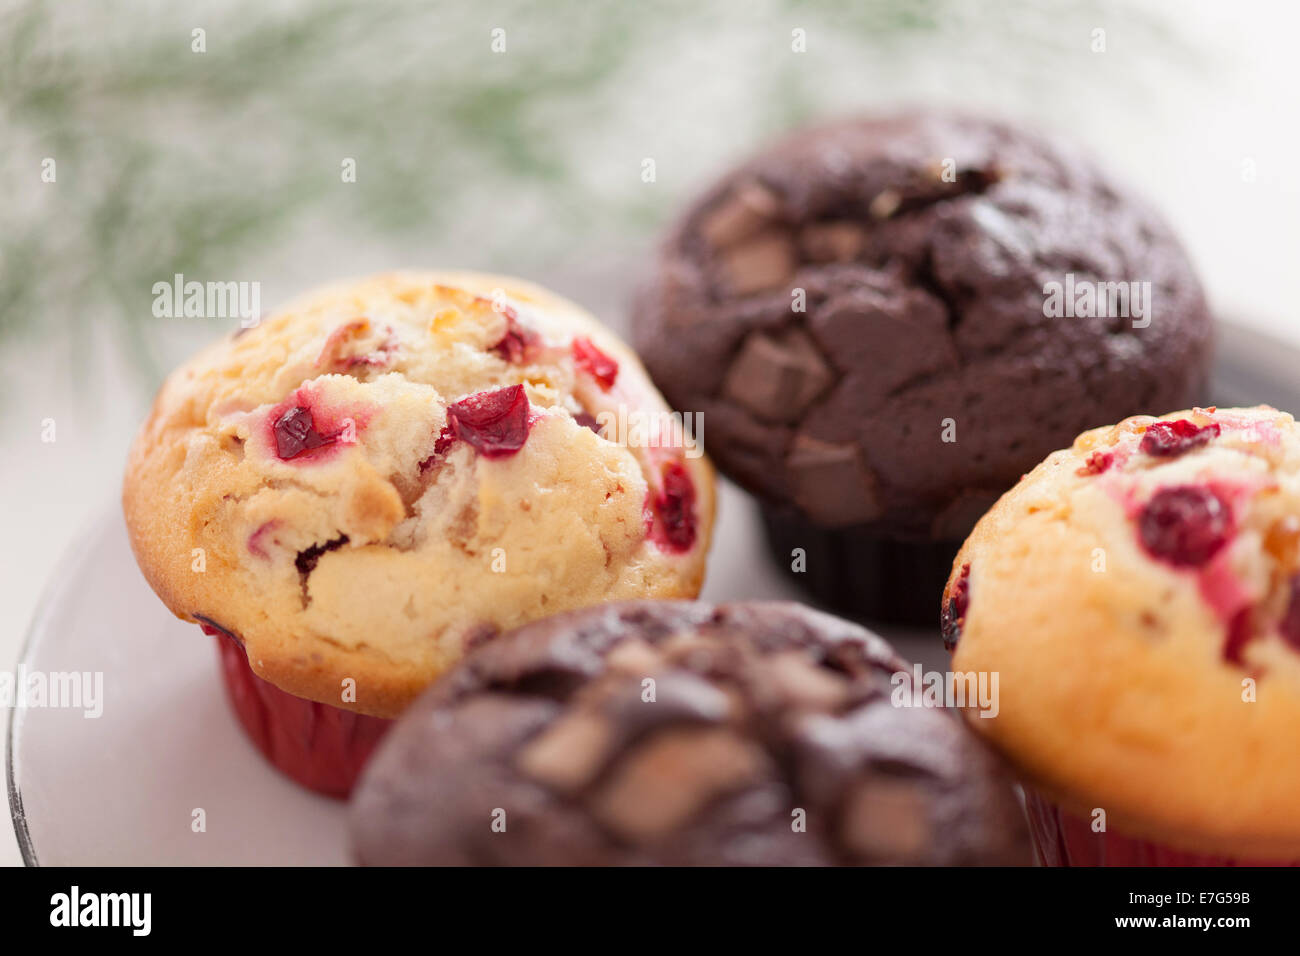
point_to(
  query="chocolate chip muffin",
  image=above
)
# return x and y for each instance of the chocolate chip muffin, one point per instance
(388, 470)
(885, 322)
(1139, 595)
(682, 733)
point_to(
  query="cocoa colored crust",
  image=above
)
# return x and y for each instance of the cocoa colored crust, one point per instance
(759, 710)
(924, 302)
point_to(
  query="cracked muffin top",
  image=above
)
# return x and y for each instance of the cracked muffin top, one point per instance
(683, 734)
(1139, 595)
(831, 303)
(388, 470)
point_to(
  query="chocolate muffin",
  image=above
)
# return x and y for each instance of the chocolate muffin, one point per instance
(681, 733)
(885, 322)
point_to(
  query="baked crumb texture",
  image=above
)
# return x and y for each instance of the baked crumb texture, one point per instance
(1139, 595)
(387, 470)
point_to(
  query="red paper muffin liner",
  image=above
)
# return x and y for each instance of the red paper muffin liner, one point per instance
(323, 748)
(1063, 839)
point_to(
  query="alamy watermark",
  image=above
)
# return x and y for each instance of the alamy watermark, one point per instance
(208, 300)
(74, 908)
(69, 690)
(1087, 299)
(977, 690)
(638, 428)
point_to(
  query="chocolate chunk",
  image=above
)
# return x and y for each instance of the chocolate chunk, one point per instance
(798, 682)
(680, 697)
(885, 203)
(571, 752)
(832, 241)
(831, 483)
(704, 655)
(908, 325)
(887, 820)
(766, 261)
(671, 778)
(307, 559)
(635, 657)
(777, 376)
(740, 215)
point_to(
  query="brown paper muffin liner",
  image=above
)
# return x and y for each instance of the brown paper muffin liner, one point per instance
(861, 574)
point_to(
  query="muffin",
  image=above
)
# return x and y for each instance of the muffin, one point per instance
(866, 316)
(381, 474)
(680, 733)
(1139, 595)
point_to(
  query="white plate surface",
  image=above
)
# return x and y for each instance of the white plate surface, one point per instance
(123, 788)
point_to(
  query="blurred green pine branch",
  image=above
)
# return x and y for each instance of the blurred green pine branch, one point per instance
(170, 161)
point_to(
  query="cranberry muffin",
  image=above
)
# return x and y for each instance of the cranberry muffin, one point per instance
(866, 317)
(1139, 595)
(678, 733)
(389, 470)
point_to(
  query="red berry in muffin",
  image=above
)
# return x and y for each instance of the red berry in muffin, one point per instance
(594, 362)
(495, 423)
(1173, 438)
(672, 507)
(518, 340)
(954, 608)
(1185, 525)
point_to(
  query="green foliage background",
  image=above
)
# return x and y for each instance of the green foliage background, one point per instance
(172, 161)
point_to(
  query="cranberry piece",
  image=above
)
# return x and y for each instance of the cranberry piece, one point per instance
(303, 426)
(379, 358)
(295, 433)
(495, 423)
(445, 440)
(1289, 626)
(337, 342)
(1185, 525)
(673, 510)
(1097, 462)
(255, 539)
(335, 352)
(514, 345)
(1240, 631)
(588, 421)
(953, 615)
(595, 363)
(1166, 439)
